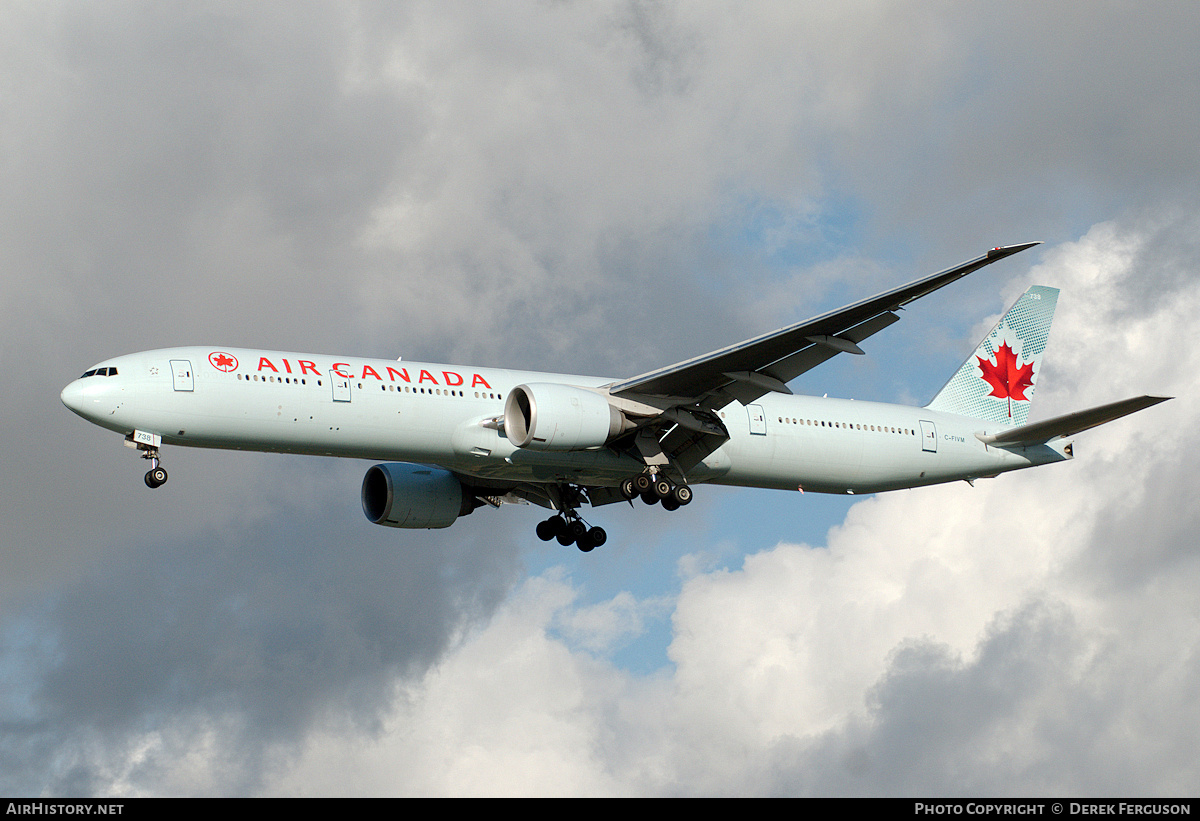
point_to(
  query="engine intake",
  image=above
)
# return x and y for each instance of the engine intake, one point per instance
(398, 494)
(549, 416)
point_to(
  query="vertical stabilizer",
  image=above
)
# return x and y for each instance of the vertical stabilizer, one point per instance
(996, 382)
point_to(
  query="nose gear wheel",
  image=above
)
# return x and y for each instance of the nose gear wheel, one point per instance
(156, 476)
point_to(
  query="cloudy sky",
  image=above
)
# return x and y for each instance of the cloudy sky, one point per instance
(599, 188)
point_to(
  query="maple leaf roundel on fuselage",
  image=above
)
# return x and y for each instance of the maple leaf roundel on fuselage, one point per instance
(223, 361)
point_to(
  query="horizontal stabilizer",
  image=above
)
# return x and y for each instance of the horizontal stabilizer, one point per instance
(1071, 423)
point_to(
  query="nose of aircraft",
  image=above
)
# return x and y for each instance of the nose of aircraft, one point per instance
(72, 396)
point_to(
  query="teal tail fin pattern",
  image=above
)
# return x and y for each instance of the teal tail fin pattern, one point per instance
(996, 383)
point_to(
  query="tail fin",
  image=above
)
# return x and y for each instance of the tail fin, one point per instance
(996, 382)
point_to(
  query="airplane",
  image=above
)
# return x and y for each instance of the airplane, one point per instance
(451, 439)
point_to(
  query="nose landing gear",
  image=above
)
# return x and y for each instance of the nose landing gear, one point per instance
(148, 444)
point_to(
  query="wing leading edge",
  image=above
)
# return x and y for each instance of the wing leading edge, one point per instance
(757, 366)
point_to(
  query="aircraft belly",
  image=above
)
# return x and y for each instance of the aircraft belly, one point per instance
(484, 453)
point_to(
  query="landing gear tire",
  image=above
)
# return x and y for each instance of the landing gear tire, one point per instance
(642, 483)
(682, 494)
(550, 528)
(663, 488)
(628, 490)
(669, 503)
(156, 477)
(578, 530)
(592, 539)
(650, 498)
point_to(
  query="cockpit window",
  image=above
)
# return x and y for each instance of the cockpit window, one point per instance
(99, 372)
(86, 374)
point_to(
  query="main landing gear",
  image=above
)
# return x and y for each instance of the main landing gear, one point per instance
(570, 529)
(656, 489)
(568, 526)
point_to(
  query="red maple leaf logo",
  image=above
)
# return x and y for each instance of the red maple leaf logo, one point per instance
(223, 361)
(1007, 380)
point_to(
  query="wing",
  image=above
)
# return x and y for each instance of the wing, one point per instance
(749, 369)
(673, 409)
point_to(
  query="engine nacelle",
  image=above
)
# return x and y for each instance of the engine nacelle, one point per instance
(398, 494)
(548, 416)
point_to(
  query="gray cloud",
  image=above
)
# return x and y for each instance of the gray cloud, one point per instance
(238, 639)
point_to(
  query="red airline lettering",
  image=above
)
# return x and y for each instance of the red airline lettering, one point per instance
(306, 366)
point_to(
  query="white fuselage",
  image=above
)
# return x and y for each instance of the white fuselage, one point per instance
(434, 414)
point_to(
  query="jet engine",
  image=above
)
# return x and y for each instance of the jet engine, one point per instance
(548, 416)
(398, 494)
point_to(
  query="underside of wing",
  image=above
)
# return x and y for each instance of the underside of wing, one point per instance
(561, 496)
